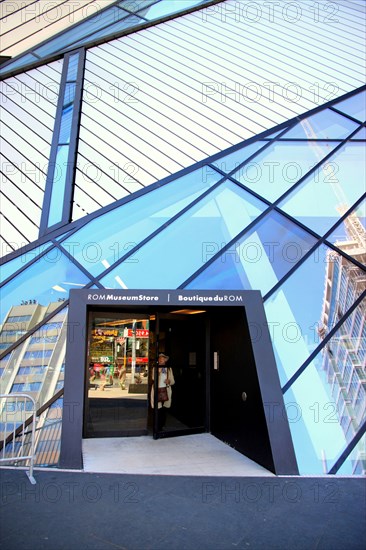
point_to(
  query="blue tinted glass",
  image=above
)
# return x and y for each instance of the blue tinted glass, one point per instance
(314, 423)
(361, 134)
(259, 259)
(8, 268)
(123, 228)
(48, 280)
(169, 6)
(136, 5)
(173, 255)
(308, 304)
(130, 21)
(355, 462)
(333, 188)
(354, 106)
(66, 121)
(275, 134)
(72, 69)
(58, 185)
(69, 95)
(280, 166)
(350, 235)
(23, 60)
(340, 366)
(88, 27)
(323, 125)
(233, 160)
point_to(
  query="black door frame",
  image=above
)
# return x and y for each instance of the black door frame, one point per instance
(277, 426)
(161, 315)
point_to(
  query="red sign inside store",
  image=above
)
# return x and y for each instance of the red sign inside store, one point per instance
(140, 333)
(139, 360)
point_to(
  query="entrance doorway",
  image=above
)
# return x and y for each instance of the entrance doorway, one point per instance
(122, 365)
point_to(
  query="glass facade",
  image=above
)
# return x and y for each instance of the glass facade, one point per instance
(283, 214)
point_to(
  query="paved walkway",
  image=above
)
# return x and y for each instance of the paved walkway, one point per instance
(201, 454)
(85, 511)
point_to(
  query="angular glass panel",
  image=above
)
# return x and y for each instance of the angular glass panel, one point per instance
(211, 223)
(58, 185)
(168, 6)
(350, 235)
(275, 134)
(323, 125)
(123, 228)
(35, 354)
(342, 367)
(136, 5)
(354, 106)
(308, 305)
(48, 280)
(280, 166)
(361, 134)
(69, 96)
(355, 463)
(126, 23)
(101, 20)
(12, 266)
(66, 120)
(20, 62)
(228, 163)
(72, 69)
(332, 189)
(314, 423)
(259, 259)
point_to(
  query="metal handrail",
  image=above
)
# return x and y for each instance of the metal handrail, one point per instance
(16, 454)
(28, 421)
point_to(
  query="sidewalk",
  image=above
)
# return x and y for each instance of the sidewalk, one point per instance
(79, 510)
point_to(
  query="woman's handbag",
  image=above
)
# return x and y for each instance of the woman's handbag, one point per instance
(163, 395)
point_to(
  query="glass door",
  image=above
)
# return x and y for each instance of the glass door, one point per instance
(181, 355)
(116, 401)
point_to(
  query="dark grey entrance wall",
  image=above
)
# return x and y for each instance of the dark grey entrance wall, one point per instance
(283, 455)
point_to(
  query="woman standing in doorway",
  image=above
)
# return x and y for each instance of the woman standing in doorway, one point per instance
(165, 380)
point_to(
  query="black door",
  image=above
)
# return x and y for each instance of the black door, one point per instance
(184, 339)
(237, 413)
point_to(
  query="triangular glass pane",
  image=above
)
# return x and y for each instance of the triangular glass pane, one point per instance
(123, 228)
(259, 259)
(350, 235)
(355, 462)
(182, 248)
(31, 360)
(331, 385)
(309, 302)
(354, 106)
(41, 285)
(230, 162)
(171, 6)
(273, 171)
(10, 267)
(324, 196)
(275, 134)
(323, 125)
(361, 134)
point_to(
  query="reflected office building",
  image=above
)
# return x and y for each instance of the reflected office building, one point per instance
(344, 355)
(200, 198)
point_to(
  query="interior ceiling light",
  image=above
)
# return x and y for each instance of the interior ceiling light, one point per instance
(189, 311)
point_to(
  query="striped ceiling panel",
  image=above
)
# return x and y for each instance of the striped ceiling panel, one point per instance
(26, 23)
(28, 107)
(163, 98)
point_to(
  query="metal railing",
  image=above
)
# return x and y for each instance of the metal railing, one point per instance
(18, 411)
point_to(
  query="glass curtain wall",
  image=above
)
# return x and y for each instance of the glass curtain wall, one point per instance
(228, 225)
